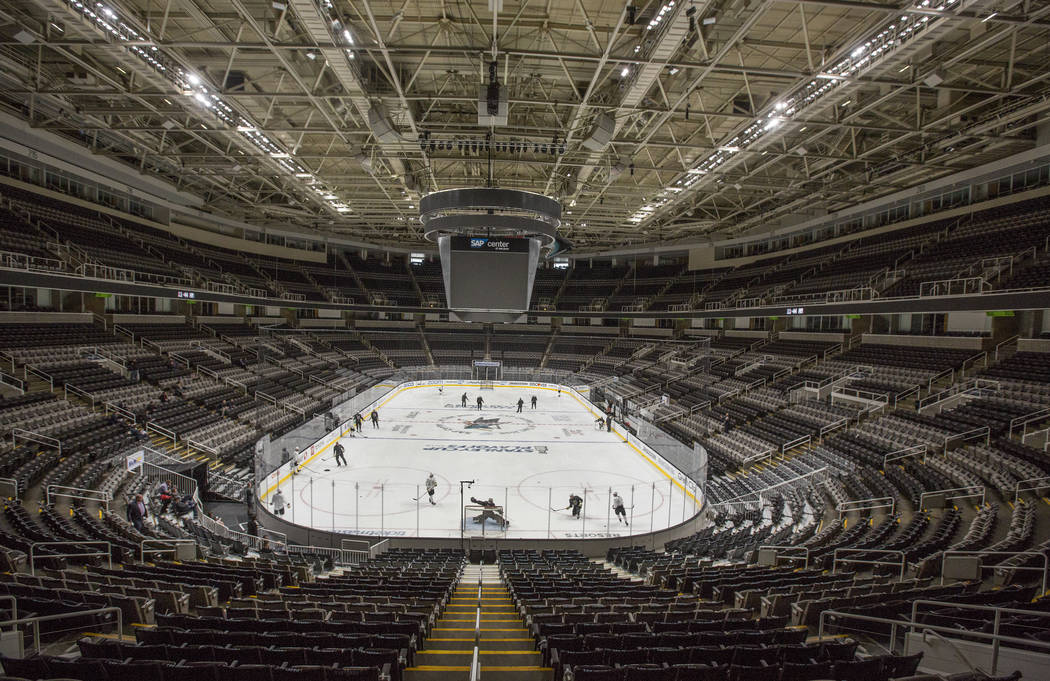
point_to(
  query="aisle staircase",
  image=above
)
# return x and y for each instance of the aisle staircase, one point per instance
(505, 649)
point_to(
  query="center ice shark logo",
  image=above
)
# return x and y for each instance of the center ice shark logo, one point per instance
(482, 423)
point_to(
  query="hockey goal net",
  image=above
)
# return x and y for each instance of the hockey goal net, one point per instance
(484, 521)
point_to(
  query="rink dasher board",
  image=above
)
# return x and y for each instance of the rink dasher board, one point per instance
(278, 476)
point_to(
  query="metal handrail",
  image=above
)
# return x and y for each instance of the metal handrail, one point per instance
(777, 550)
(36, 620)
(857, 561)
(161, 430)
(35, 437)
(873, 503)
(77, 493)
(976, 434)
(338, 556)
(1028, 481)
(173, 550)
(904, 453)
(14, 604)
(1035, 416)
(980, 608)
(13, 382)
(1011, 339)
(32, 548)
(126, 413)
(12, 483)
(1045, 569)
(968, 492)
(373, 550)
(955, 633)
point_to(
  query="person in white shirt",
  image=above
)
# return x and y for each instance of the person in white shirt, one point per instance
(618, 509)
(431, 486)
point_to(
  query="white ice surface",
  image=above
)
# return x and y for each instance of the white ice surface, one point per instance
(527, 463)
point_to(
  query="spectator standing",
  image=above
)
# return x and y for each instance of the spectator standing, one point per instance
(137, 512)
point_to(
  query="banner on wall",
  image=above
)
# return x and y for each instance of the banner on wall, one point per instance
(135, 460)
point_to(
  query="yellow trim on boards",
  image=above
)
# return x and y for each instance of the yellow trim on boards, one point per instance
(394, 392)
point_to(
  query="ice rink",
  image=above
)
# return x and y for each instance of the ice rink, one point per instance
(529, 463)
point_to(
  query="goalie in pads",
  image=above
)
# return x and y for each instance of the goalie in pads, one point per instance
(489, 512)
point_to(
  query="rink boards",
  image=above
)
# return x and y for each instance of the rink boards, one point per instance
(528, 463)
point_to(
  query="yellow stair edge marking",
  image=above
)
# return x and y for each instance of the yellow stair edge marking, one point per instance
(466, 640)
(125, 637)
(472, 629)
(483, 619)
(443, 668)
(480, 652)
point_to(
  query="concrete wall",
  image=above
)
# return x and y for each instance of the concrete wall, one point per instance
(968, 321)
(255, 247)
(393, 325)
(593, 548)
(185, 231)
(322, 323)
(588, 330)
(46, 317)
(1033, 345)
(662, 333)
(703, 258)
(813, 336)
(941, 342)
(148, 319)
(746, 333)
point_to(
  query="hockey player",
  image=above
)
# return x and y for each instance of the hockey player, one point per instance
(338, 450)
(521, 403)
(618, 509)
(575, 503)
(489, 512)
(480, 402)
(278, 503)
(599, 423)
(533, 401)
(463, 400)
(358, 421)
(375, 418)
(431, 486)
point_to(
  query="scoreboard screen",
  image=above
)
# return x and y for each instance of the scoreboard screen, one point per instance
(488, 274)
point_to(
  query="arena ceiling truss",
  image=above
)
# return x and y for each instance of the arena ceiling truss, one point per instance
(668, 120)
